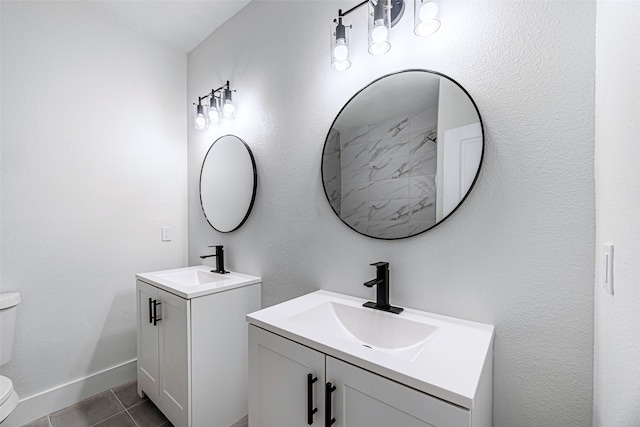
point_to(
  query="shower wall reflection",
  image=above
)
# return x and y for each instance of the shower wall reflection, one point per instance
(381, 177)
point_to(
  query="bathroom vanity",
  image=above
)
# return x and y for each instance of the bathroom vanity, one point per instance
(323, 359)
(192, 343)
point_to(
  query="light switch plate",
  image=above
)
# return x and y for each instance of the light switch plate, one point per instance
(607, 267)
(166, 233)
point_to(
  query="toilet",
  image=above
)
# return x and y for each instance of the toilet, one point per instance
(8, 396)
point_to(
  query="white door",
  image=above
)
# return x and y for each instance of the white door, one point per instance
(281, 393)
(364, 399)
(462, 155)
(147, 340)
(174, 354)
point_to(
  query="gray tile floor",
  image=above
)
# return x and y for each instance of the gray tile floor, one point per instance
(118, 407)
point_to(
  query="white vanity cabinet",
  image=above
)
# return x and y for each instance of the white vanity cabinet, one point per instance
(325, 359)
(192, 349)
(281, 394)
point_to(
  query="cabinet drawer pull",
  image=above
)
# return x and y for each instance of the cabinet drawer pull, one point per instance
(328, 421)
(156, 319)
(150, 310)
(310, 409)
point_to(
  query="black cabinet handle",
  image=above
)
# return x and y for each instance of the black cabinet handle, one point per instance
(156, 319)
(328, 421)
(150, 310)
(310, 409)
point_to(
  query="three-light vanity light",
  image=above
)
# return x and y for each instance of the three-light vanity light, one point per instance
(218, 106)
(383, 14)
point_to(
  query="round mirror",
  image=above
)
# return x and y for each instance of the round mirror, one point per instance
(228, 183)
(402, 154)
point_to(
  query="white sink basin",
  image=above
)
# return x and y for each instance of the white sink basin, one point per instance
(192, 282)
(191, 277)
(374, 329)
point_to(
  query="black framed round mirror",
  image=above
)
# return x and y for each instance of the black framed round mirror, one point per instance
(228, 181)
(402, 154)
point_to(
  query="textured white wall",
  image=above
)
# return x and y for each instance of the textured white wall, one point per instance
(518, 254)
(93, 163)
(617, 325)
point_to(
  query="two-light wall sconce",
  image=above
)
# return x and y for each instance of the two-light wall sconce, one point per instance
(220, 106)
(383, 14)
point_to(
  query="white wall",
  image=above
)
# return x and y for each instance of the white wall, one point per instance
(93, 163)
(617, 325)
(518, 254)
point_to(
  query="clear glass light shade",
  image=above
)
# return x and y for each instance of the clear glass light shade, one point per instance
(214, 111)
(426, 17)
(200, 121)
(379, 26)
(340, 44)
(228, 107)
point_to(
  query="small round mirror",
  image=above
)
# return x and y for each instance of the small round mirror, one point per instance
(228, 183)
(402, 154)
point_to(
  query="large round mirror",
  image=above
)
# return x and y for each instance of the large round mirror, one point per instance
(228, 183)
(402, 154)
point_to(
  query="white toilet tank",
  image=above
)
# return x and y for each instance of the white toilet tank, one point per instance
(8, 309)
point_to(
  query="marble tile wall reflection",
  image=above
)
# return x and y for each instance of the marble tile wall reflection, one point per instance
(331, 170)
(386, 175)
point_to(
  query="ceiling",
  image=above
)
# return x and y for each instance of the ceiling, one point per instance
(182, 24)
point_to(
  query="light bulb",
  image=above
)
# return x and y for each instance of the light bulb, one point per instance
(426, 19)
(340, 52)
(380, 32)
(228, 108)
(428, 11)
(200, 121)
(214, 115)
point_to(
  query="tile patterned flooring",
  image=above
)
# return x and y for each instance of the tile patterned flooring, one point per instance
(118, 407)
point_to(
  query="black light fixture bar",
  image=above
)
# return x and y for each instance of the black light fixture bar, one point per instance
(215, 92)
(352, 9)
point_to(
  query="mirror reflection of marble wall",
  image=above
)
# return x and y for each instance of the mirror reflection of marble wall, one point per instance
(380, 165)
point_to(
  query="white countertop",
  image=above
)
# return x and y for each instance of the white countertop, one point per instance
(197, 281)
(448, 366)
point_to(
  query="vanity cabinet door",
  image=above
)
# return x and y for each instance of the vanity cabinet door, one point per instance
(164, 342)
(147, 341)
(279, 383)
(362, 398)
(174, 353)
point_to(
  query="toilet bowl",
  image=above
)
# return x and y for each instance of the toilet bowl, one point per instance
(8, 396)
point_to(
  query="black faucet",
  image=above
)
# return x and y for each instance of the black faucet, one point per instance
(382, 289)
(219, 259)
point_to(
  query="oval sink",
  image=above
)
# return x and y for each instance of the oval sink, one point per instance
(372, 328)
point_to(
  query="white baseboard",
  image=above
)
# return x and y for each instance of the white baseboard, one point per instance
(37, 406)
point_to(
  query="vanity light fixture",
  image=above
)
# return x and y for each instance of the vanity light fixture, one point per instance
(220, 105)
(382, 15)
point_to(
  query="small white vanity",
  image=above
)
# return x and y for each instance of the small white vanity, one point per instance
(192, 343)
(323, 359)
